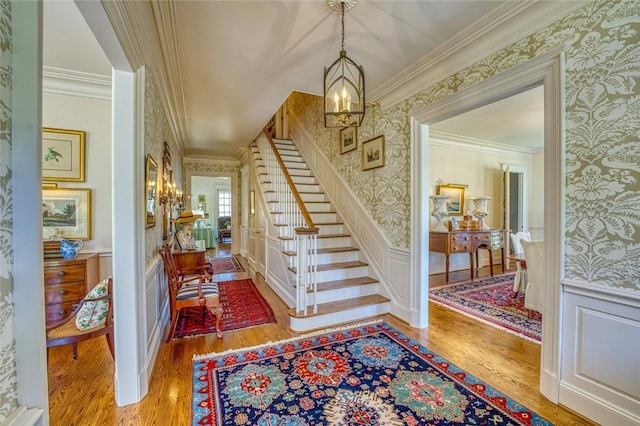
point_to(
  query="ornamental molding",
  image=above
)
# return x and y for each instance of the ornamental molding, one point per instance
(76, 83)
(467, 143)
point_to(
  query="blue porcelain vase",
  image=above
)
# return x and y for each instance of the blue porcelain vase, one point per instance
(69, 249)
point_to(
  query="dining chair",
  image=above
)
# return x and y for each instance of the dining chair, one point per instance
(188, 291)
(520, 279)
(92, 317)
(534, 294)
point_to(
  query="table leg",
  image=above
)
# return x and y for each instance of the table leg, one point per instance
(471, 266)
(446, 275)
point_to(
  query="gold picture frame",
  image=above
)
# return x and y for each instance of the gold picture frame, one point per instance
(373, 153)
(66, 212)
(348, 139)
(151, 191)
(63, 155)
(455, 203)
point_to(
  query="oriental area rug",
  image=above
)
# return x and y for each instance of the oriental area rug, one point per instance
(491, 301)
(242, 306)
(369, 374)
(225, 265)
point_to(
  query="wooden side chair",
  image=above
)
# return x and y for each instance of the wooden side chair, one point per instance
(92, 317)
(189, 291)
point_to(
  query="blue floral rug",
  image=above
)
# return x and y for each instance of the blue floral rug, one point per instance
(366, 375)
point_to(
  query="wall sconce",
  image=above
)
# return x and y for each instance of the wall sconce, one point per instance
(171, 196)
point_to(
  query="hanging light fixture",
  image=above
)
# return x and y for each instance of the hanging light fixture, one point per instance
(344, 104)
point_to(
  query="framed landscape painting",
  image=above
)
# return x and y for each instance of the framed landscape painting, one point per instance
(63, 155)
(455, 203)
(66, 212)
(373, 153)
(348, 139)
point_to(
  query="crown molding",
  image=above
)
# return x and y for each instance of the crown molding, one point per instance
(211, 160)
(449, 140)
(76, 83)
(493, 32)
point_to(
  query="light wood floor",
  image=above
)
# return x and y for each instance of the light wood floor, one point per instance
(82, 392)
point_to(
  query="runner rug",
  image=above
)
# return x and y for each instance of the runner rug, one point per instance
(365, 375)
(491, 301)
(225, 265)
(242, 305)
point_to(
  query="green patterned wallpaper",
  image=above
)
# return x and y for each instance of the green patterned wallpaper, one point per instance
(8, 375)
(602, 140)
(157, 131)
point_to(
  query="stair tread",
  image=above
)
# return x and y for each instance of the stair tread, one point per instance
(331, 307)
(333, 235)
(339, 265)
(348, 282)
(326, 250)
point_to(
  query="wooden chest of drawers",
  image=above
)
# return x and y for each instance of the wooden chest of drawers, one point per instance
(66, 282)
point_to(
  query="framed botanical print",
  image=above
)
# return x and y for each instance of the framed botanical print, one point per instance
(63, 155)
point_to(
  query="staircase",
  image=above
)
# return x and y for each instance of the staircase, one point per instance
(346, 289)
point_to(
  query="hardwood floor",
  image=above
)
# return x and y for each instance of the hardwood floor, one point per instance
(82, 392)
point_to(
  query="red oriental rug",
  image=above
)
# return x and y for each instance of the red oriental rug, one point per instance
(369, 374)
(491, 301)
(225, 265)
(242, 304)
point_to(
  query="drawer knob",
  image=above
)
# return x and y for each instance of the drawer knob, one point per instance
(63, 312)
(60, 273)
(62, 292)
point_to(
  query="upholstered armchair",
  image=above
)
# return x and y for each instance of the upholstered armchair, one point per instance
(224, 234)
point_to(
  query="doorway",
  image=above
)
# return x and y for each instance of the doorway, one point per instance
(546, 71)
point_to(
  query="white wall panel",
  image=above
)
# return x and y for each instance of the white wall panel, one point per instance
(600, 375)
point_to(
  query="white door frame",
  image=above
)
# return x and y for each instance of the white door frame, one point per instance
(546, 70)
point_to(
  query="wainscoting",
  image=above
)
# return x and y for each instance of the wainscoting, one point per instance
(600, 376)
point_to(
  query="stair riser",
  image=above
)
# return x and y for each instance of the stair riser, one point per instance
(343, 256)
(342, 274)
(346, 293)
(318, 207)
(304, 180)
(334, 242)
(312, 197)
(330, 229)
(289, 158)
(301, 325)
(324, 217)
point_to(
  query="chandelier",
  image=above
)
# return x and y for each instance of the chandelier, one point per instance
(344, 104)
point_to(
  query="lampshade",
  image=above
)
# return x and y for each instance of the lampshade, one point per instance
(344, 102)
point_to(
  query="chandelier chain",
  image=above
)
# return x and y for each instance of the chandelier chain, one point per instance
(342, 3)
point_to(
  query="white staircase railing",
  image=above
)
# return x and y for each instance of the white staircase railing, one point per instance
(296, 226)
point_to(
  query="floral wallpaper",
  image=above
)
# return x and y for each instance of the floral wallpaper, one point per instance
(157, 131)
(8, 375)
(602, 146)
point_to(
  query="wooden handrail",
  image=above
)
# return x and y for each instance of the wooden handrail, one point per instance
(292, 186)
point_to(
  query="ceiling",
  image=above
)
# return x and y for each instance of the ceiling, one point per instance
(238, 61)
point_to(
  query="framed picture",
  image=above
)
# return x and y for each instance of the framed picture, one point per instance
(202, 206)
(348, 139)
(66, 213)
(455, 204)
(63, 155)
(373, 153)
(151, 191)
(202, 198)
(252, 203)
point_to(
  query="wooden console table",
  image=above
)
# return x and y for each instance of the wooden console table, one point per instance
(468, 242)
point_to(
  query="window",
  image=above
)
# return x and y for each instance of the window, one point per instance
(224, 203)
